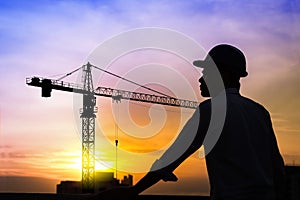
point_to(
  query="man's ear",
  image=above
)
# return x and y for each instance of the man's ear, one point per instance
(230, 80)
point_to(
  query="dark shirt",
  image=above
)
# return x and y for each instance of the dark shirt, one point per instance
(243, 159)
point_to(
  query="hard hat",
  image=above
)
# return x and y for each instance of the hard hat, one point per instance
(226, 58)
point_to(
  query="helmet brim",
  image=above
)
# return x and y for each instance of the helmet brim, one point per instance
(200, 63)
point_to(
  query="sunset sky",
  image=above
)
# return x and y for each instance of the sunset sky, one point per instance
(40, 137)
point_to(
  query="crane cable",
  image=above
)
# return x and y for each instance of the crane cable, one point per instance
(135, 83)
(108, 72)
(68, 74)
(117, 137)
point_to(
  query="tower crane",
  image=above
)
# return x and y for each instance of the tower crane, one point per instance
(89, 110)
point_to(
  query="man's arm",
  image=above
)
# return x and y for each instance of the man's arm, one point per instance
(188, 141)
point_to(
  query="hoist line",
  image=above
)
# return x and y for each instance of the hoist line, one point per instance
(117, 138)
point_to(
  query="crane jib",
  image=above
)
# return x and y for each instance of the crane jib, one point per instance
(48, 85)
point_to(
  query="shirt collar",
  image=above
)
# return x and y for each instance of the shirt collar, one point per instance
(227, 91)
(232, 91)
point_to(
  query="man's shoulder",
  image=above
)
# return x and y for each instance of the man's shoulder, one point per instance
(205, 104)
(253, 103)
(205, 107)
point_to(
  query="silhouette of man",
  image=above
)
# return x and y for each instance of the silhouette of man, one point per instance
(245, 162)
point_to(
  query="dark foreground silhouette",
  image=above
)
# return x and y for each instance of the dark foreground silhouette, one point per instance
(242, 156)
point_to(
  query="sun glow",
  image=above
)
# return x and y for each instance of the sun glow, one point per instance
(100, 167)
(76, 164)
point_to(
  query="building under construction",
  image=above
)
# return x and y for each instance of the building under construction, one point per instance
(103, 181)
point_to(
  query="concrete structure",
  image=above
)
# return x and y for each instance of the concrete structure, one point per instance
(103, 181)
(69, 187)
(127, 180)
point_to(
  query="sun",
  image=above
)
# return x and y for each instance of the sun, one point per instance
(75, 164)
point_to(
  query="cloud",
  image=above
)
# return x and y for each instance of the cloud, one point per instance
(27, 184)
(21, 159)
(12, 155)
(5, 146)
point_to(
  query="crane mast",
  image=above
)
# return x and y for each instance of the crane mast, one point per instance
(89, 110)
(88, 131)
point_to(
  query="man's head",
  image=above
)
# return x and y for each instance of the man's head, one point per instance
(230, 62)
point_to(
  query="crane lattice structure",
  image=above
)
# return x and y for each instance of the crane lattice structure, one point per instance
(89, 110)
